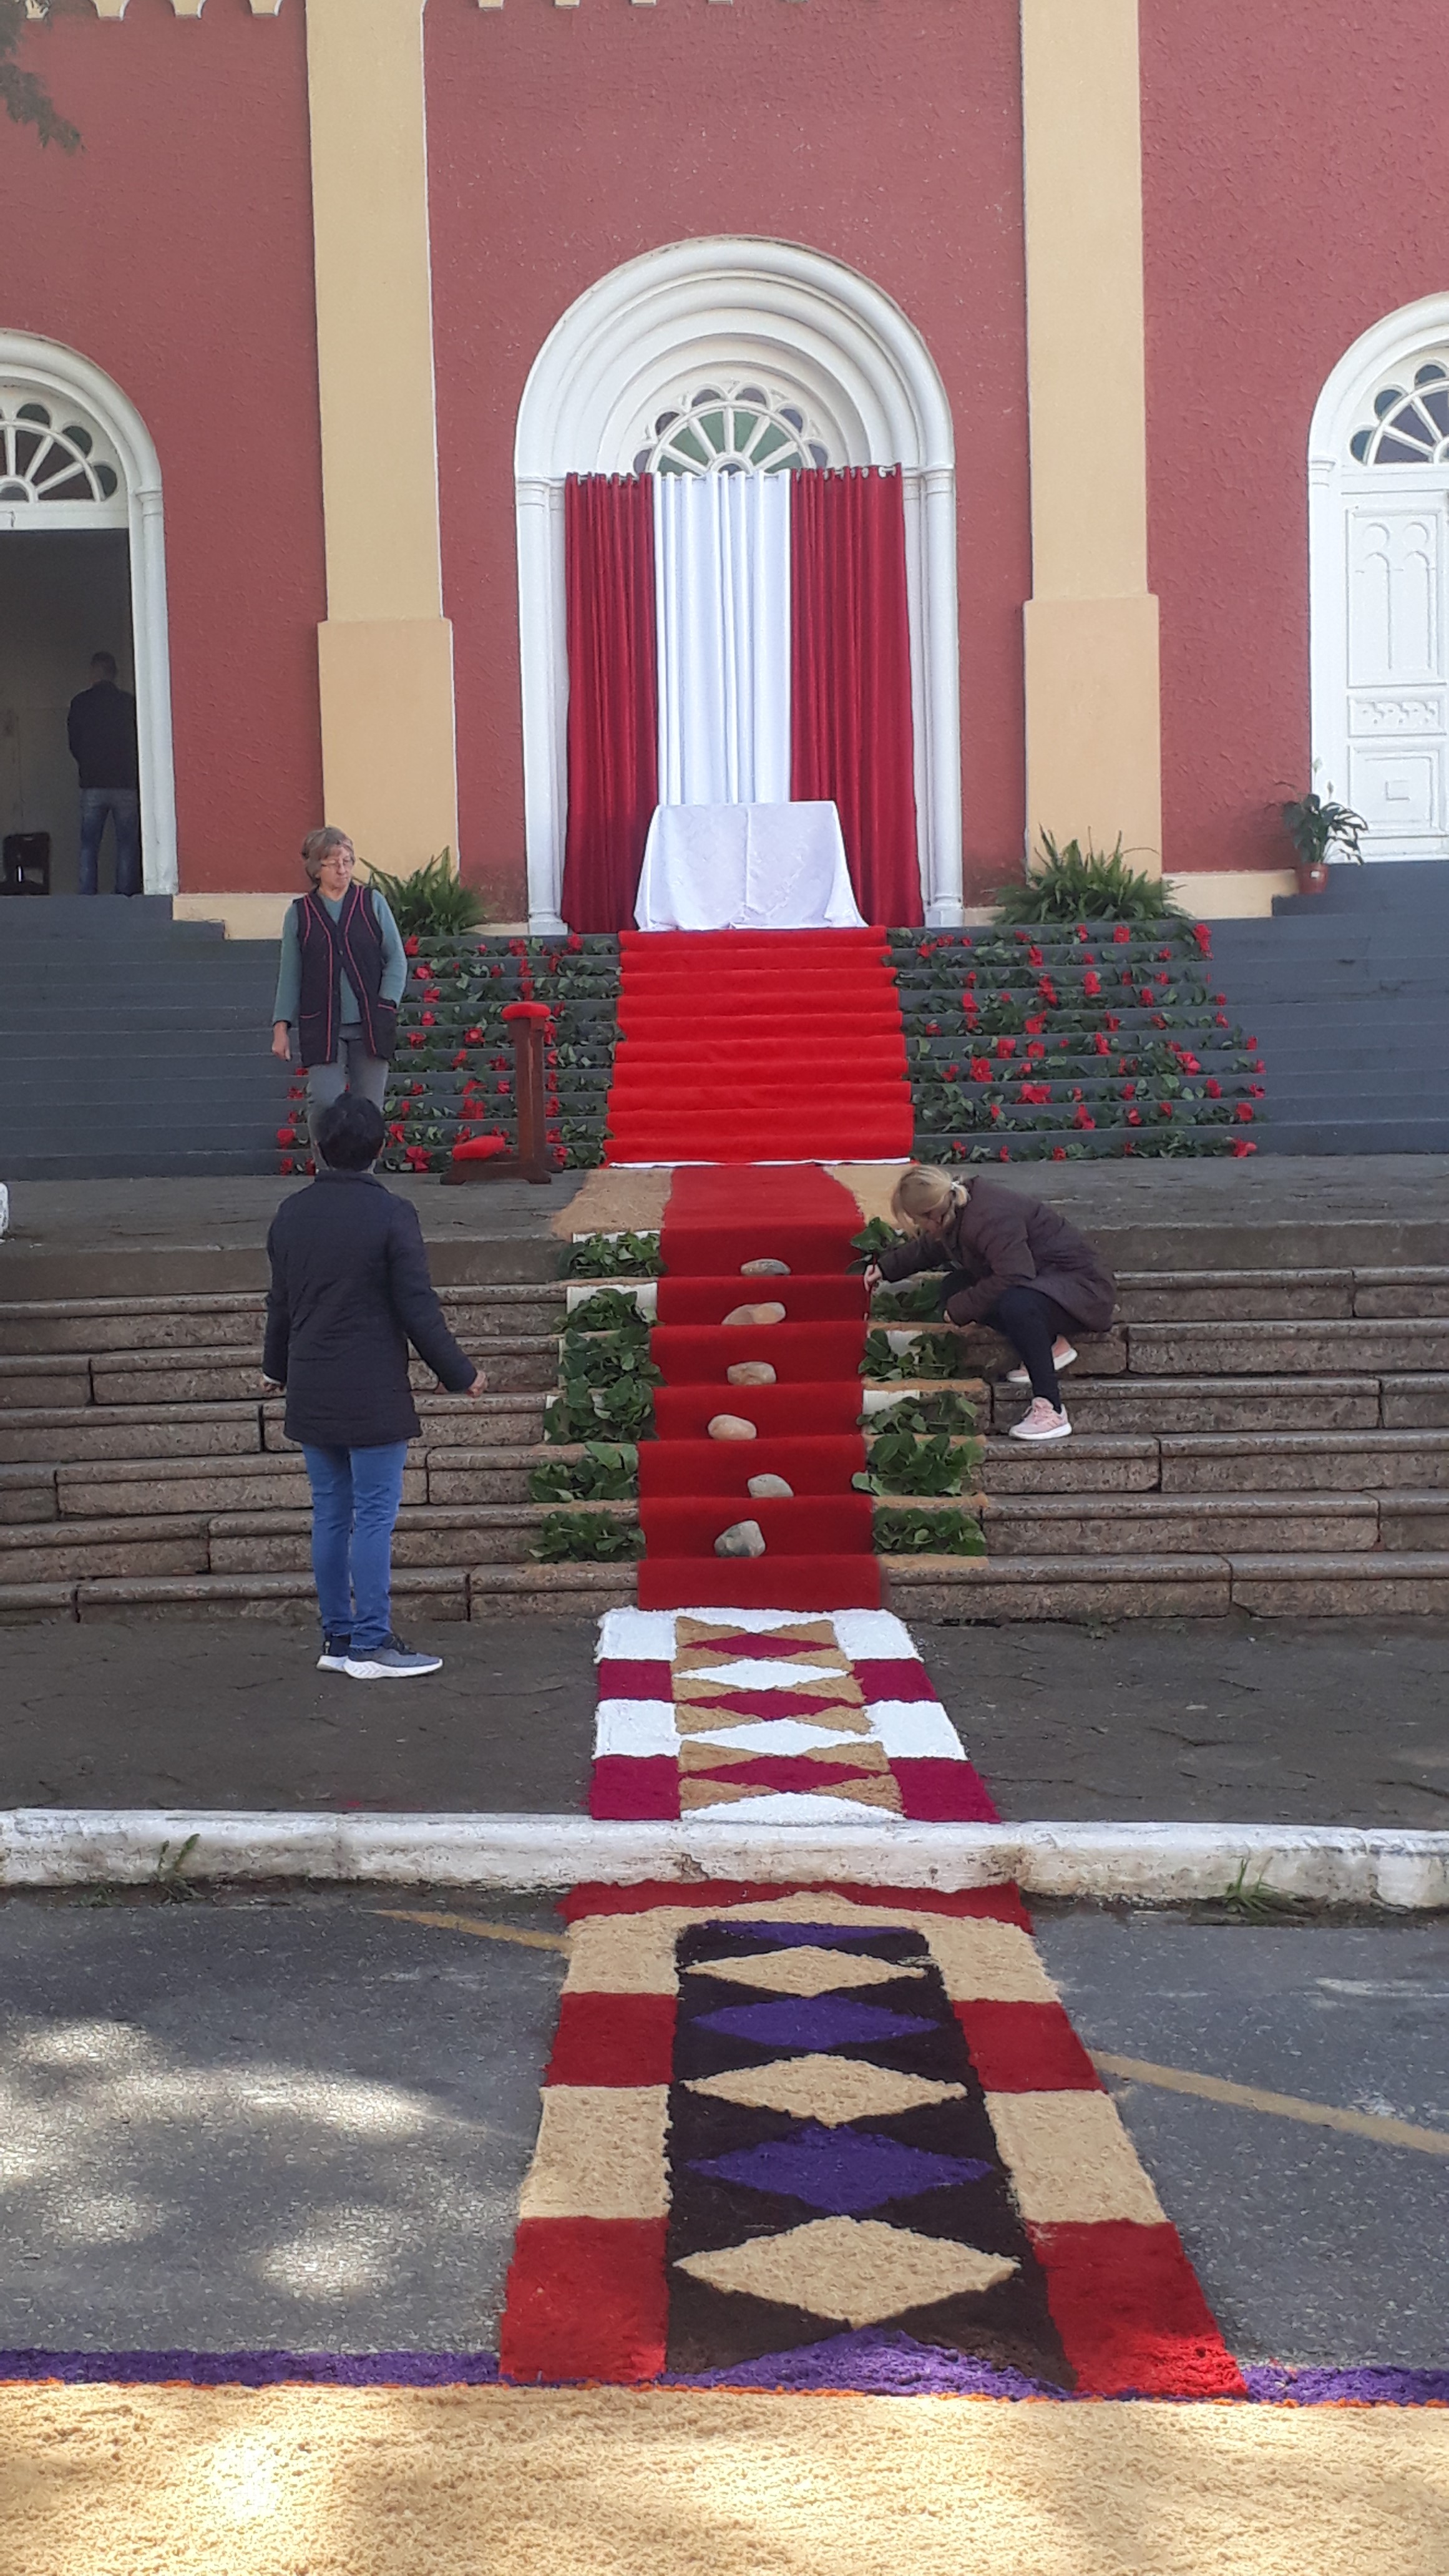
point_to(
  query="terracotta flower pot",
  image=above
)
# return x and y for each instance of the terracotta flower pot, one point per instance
(1312, 875)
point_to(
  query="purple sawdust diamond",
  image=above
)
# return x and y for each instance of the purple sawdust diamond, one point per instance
(815, 1936)
(813, 2022)
(842, 2170)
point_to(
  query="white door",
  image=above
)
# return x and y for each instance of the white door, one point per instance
(1394, 766)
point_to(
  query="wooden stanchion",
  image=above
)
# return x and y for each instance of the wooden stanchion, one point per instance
(530, 1022)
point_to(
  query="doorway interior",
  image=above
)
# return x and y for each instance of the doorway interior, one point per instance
(64, 595)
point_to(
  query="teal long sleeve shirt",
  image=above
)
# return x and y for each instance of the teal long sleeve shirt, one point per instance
(289, 977)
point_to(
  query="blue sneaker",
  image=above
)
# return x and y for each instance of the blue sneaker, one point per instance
(335, 1651)
(392, 1661)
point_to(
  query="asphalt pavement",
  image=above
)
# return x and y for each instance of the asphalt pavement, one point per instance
(1225, 1720)
(301, 2122)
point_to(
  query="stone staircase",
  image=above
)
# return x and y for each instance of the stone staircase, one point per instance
(1272, 1440)
(133, 1045)
(1346, 993)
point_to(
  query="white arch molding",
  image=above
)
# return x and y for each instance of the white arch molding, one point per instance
(1378, 544)
(738, 306)
(60, 377)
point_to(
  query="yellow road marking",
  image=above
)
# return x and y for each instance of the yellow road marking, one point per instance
(481, 1931)
(1135, 2070)
(1284, 2106)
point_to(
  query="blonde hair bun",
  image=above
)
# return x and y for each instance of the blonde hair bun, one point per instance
(925, 1195)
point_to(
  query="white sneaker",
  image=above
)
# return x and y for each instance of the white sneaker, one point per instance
(1062, 1357)
(1041, 1421)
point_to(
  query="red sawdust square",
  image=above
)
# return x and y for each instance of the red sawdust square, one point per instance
(586, 2299)
(613, 2039)
(1132, 2319)
(1026, 2048)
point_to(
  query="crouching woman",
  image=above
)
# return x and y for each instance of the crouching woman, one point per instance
(1009, 1262)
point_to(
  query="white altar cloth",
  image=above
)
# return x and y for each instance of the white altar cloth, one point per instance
(745, 867)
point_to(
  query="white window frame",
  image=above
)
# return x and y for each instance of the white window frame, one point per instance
(1335, 478)
(60, 377)
(699, 308)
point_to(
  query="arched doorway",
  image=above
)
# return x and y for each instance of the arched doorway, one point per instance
(1378, 492)
(737, 356)
(82, 570)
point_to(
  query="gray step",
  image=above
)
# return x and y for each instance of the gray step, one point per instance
(1365, 1583)
(1179, 1524)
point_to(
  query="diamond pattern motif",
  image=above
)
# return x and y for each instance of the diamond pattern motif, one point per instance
(855, 2271)
(806, 1971)
(833, 2090)
(845, 2171)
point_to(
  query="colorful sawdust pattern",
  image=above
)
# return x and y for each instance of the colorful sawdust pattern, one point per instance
(768, 1719)
(772, 2121)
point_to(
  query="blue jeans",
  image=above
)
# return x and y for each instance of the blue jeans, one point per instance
(123, 804)
(355, 1498)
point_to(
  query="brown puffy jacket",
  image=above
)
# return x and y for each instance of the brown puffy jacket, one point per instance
(1003, 1239)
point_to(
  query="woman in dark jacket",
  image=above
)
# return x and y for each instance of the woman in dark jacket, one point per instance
(1009, 1262)
(350, 1290)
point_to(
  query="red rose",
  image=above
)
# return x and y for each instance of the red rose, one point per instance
(1189, 1063)
(1005, 1046)
(1221, 1021)
(473, 1037)
(971, 978)
(1257, 1091)
(1036, 1093)
(1129, 1090)
(1091, 987)
(1121, 935)
(575, 944)
(1203, 936)
(951, 1071)
(1165, 952)
(1252, 1042)
(1213, 1089)
(1134, 1117)
(416, 1038)
(1003, 1154)
(1099, 1044)
(1080, 1119)
(1217, 997)
(1158, 1021)
(459, 1060)
(1059, 1153)
(980, 1068)
(286, 1164)
(933, 1028)
(1243, 1114)
(1111, 1023)
(429, 1020)
(1164, 1109)
(1036, 1050)
(410, 947)
(1034, 957)
(1241, 1147)
(286, 1135)
(1035, 1024)
(1077, 1095)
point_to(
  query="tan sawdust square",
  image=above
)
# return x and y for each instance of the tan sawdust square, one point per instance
(854, 2270)
(832, 2090)
(806, 1971)
(1071, 2159)
(600, 2153)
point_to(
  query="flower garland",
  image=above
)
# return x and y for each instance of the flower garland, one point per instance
(1066, 1041)
(451, 1077)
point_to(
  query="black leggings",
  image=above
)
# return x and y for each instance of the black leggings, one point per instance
(1030, 1321)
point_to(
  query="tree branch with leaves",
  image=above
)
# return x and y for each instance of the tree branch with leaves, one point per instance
(23, 95)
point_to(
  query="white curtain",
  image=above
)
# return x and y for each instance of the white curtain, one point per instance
(722, 582)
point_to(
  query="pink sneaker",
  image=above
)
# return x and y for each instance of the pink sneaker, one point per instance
(1041, 1421)
(1062, 1357)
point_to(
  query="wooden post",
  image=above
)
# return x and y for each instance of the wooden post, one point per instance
(530, 1025)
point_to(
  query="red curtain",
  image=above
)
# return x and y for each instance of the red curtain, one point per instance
(851, 736)
(613, 734)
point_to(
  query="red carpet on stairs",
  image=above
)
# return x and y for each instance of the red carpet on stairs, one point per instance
(758, 1046)
(818, 1552)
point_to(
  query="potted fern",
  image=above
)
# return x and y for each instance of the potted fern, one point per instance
(1316, 826)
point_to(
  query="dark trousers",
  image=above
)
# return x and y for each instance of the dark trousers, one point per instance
(1031, 1323)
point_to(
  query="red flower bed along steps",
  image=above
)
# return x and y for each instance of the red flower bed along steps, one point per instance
(818, 1542)
(758, 1046)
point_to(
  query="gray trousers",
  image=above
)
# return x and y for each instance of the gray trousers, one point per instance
(352, 1069)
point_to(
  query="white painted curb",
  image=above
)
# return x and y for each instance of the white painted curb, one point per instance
(1166, 1863)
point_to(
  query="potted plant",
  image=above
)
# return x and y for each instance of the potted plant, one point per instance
(1317, 826)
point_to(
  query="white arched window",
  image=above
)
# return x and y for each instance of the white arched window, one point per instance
(727, 357)
(1378, 497)
(74, 453)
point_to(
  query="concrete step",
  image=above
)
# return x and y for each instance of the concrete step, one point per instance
(142, 1432)
(1349, 1135)
(1136, 1405)
(1367, 1584)
(428, 1534)
(1322, 1347)
(525, 1361)
(419, 1592)
(110, 1324)
(1075, 1525)
(1265, 1462)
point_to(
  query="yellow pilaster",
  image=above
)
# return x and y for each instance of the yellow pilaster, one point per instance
(1093, 729)
(385, 654)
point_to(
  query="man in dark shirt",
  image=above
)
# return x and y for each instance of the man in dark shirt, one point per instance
(102, 731)
(350, 1290)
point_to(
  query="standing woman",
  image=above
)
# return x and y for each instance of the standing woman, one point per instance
(343, 973)
(1009, 1262)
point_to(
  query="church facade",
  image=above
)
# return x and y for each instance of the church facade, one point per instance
(1147, 304)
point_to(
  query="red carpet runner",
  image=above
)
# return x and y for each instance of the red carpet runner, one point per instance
(758, 1046)
(691, 1488)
